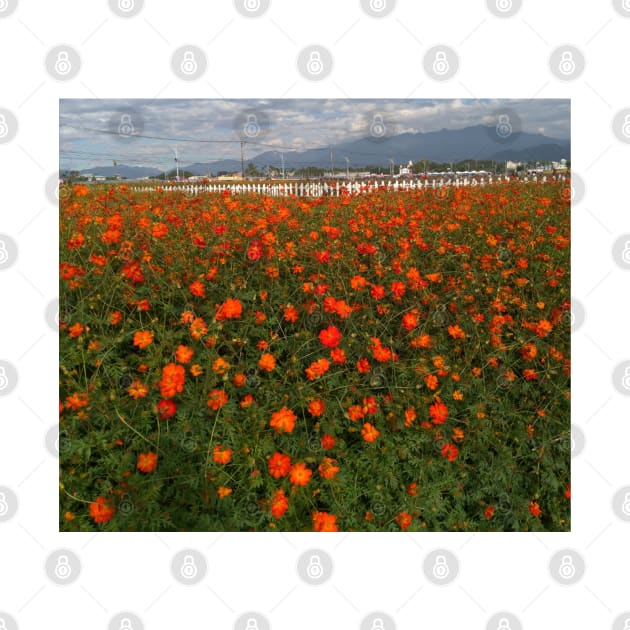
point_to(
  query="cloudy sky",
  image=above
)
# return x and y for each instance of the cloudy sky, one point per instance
(95, 132)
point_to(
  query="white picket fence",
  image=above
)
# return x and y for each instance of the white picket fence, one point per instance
(319, 189)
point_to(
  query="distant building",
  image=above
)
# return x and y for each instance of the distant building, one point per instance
(406, 170)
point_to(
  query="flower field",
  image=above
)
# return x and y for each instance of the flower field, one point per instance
(383, 362)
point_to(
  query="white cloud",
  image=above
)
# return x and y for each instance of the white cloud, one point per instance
(295, 123)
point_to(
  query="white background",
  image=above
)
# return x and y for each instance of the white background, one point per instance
(499, 57)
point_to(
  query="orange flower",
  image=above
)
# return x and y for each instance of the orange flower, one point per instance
(76, 401)
(172, 381)
(75, 330)
(328, 468)
(409, 320)
(327, 441)
(316, 407)
(404, 520)
(529, 351)
(489, 512)
(279, 503)
(100, 511)
(355, 412)
(300, 475)
(438, 412)
(159, 230)
(283, 421)
(412, 489)
(534, 508)
(220, 366)
(115, 318)
(449, 451)
(166, 409)
(324, 522)
(279, 465)
(369, 432)
(338, 355)
(431, 381)
(267, 362)
(223, 492)
(198, 328)
(543, 328)
(143, 338)
(197, 289)
(230, 309)
(184, 354)
(291, 314)
(137, 389)
(458, 435)
(330, 337)
(317, 368)
(456, 332)
(363, 366)
(196, 370)
(147, 462)
(222, 455)
(216, 399)
(410, 416)
(239, 379)
(423, 341)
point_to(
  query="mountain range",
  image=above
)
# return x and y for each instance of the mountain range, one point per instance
(477, 142)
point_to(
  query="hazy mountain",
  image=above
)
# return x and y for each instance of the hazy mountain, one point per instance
(130, 172)
(446, 145)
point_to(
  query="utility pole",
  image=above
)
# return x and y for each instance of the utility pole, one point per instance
(332, 164)
(282, 156)
(176, 164)
(242, 160)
